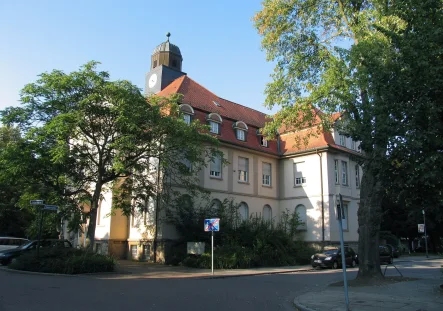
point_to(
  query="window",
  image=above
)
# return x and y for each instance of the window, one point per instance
(267, 213)
(337, 180)
(149, 212)
(263, 141)
(216, 206)
(187, 118)
(241, 135)
(155, 64)
(215, 168)
(302, 217)
(174, 63)
(243, 169)
(343, 140)
(134, 251)
(215, 127)
(187, 164)
(147, 251)
(344, 173)
(299, 179)
(243, 211)
(344, 217)
(99, 212)
(133, 219)
(357, 176)
(353, 145)
(266, 167)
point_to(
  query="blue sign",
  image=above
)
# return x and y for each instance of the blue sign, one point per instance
(212, 224)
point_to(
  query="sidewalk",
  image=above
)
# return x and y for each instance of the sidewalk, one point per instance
(416, 295)
(133, 269)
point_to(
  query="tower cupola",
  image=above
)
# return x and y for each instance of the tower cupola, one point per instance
(167, 54)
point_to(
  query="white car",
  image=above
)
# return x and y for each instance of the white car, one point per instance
(10, 242)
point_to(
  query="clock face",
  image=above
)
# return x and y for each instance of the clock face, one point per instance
(152, 80)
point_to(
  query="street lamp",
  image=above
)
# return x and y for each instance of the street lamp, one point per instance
(426, 237)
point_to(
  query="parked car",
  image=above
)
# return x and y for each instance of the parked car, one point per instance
(395, 251)
(331, 258)
(11, 242)
(6, 256)
(385, 254)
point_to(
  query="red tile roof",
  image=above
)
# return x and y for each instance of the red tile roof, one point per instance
(202, 100)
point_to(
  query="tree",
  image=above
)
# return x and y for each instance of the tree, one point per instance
(356, 57)
(96, 135)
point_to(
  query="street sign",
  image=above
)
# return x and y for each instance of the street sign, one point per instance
(50, 207)
(421, 228)
(212, 224)
(36, 202)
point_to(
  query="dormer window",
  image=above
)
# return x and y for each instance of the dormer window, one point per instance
(214, 121)
(187, 112)
(263, 141)
(241, 130)
(241, 134)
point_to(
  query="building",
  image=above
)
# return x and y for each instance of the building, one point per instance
(266, 177)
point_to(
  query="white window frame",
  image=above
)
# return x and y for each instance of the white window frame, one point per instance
(344, 173)
(215, 168)
(215, 127)
(241, 134)
(353, 145)
(357, 176)
(263, 141)
(303, 217)
(342, 139)
(336, 172)
(187, 118)
(299, 179)
(266, 178)
(243, 175)
(267, 216)
(243, 210)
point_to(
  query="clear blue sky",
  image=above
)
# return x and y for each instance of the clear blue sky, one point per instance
(220, 46)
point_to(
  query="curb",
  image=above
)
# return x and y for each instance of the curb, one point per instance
(89, 275)
(299, 307)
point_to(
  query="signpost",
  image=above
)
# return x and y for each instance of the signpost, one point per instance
(212, 224)
(342, 247)
(36, 202)
(421, 228)
(426, 237)
(50, 207)
(46, 208)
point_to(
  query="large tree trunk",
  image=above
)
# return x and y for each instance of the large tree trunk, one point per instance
(93, 216)
(369, 219)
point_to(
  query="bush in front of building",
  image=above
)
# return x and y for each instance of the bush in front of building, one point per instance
(240, 243)
(64, 261)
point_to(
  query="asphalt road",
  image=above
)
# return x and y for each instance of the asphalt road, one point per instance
(21, 292)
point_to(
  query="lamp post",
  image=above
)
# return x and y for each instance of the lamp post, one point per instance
(426, 237)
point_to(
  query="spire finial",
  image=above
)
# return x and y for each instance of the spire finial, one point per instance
(168, 34)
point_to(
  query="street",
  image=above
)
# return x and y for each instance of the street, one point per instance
(20, 292)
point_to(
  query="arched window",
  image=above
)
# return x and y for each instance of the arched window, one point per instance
(302, 217)
(243, 210)
(188, 112)
(215, 206)
(267, 213)
(214, 120)
(241, 130)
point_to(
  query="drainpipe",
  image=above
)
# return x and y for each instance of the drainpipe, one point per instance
(157, 205)
(322, 200)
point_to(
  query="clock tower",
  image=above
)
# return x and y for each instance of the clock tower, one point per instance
(166, 66)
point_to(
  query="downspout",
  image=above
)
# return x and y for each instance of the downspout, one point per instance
(157, 205)
(322, 200)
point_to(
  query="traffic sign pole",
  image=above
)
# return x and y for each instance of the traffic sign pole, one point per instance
(212, 252)
(342, 247)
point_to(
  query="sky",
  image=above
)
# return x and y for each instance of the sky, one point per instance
(221, 49)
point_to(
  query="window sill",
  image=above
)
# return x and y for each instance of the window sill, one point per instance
(243, 182)
(266, 186)
(215, 177)
(300, 186)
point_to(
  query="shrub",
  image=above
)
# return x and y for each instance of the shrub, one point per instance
(64, 261)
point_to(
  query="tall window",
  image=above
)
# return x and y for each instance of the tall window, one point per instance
(353, 145)
(99, 212)
(302, 216)
(266, 174)
(267, 213)
(299, 179)
(343, 140)
(243, 211)
(215, 167)
(243, 169)
(215, 127)
(187, 118)
(241, 135)
(357, 176)
(344, 173)
(337, 180)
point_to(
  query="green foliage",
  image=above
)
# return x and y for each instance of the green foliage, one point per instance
(239, 244)
(64, 261)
